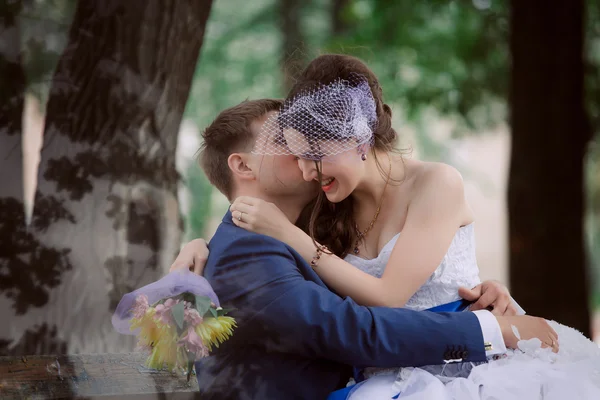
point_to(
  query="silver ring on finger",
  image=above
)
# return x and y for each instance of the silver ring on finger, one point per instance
(241, 217)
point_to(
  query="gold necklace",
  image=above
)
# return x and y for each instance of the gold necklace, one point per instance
(361, 235)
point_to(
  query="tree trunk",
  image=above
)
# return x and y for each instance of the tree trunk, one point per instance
(16, 242)
(339, 27)
(293, 46)
(12, 104)
(107, 191)
(550, 132)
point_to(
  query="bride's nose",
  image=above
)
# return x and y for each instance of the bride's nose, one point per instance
(309, 172)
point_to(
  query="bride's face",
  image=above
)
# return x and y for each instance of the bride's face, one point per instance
(339, 176)
(340, 173)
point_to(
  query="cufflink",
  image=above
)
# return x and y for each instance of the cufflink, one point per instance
(488, 346)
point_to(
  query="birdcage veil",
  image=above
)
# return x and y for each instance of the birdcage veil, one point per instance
(323, 121)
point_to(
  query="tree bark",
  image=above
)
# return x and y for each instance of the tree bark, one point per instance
(550, 133)
(293, 47)
(107, 191)
(12, 105)
(338, 24)
(15, 241)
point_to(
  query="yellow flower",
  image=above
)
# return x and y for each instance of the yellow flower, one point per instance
(164, 354)
(149, 329)
(214, 331)
(165, 351)
(160, 339)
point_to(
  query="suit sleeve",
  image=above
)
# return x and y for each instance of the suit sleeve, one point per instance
(284, 312)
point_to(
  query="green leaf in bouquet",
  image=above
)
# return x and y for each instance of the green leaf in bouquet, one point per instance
(161, 301)
(202, 304)
(190, 369)
(177, 311)
(224, 311)
(213, 312)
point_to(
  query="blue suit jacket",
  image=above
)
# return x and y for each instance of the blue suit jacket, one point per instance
(298, 340)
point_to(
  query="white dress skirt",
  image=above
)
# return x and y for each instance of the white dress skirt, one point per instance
(527, 373)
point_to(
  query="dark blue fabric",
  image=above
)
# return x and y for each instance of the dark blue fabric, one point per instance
(296, 339)
(357, 373)
(455, 306)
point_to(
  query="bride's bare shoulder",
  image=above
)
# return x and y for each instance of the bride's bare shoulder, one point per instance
(438, 176)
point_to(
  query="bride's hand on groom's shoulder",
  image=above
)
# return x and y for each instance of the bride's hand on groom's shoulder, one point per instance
(192, 257)
(259, 216)
(489, 295)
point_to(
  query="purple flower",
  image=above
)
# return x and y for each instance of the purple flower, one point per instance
(193, 343)
(140, 307)
(192, 317)
(163, 311)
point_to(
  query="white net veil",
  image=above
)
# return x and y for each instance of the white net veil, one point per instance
(323, 121)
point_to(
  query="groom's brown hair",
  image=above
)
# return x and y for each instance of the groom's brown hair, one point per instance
(229, 133)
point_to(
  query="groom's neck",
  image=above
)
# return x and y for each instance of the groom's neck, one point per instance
(291, 206)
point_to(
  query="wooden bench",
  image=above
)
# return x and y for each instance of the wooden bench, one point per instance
(90, 376)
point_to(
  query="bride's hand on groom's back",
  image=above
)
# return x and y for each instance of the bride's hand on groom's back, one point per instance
(192, 256)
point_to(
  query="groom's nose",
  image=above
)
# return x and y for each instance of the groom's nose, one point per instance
(309, 172)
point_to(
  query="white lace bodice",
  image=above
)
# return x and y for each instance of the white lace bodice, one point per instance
(458, 268)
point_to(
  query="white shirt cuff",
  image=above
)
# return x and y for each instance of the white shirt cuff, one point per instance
(492, 335)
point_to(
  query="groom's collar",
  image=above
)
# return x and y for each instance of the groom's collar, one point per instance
(227, 218)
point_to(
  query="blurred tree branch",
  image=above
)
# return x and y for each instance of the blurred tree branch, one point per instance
(293, 44)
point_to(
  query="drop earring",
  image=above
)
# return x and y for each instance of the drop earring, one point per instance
(363, 157)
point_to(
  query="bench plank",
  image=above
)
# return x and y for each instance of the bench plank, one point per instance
(90, 376)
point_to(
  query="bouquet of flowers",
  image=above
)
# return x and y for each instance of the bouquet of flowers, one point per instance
(177, 319)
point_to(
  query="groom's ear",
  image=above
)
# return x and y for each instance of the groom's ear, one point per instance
(238, 164)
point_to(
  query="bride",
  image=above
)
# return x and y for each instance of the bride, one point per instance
(396, 232)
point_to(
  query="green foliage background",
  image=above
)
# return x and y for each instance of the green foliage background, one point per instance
(435, 59)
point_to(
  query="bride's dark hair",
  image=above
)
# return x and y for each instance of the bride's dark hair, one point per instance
(333, 225)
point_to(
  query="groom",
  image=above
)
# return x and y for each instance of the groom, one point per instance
(295, 338)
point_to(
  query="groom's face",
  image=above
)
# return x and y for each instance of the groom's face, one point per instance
(280, 175)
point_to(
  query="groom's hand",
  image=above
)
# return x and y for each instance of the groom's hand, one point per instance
(489, 295)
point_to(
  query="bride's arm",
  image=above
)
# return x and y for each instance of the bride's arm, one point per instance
(435, 214)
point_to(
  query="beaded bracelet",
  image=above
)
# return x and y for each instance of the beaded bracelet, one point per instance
(317, 256)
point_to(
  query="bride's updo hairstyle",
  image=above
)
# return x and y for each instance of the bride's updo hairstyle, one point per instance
(333, 225)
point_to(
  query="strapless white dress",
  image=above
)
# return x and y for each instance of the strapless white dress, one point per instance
(528, 373)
